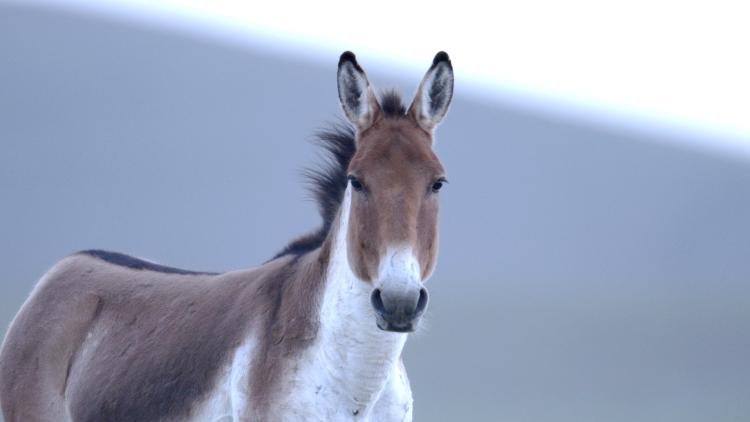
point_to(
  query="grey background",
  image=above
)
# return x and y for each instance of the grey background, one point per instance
(587, 273)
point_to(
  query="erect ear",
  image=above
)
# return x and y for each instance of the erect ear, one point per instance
(434, 93)
(357, 97)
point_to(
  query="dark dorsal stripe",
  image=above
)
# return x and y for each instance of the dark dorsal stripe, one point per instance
(128, 261)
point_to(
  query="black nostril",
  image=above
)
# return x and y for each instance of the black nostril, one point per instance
(422, 302)
(377, 301)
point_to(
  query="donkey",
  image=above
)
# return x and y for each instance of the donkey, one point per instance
(314, 334)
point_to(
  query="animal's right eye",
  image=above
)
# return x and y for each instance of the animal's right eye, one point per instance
(355, 183)
(438, 184)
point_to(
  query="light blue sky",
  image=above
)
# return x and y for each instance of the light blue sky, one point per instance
(648, 65)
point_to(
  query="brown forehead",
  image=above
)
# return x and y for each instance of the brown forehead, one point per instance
(395, 145)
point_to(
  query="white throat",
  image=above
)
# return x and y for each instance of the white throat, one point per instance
(357, 356)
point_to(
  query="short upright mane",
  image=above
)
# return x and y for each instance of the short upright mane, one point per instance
(392, 105)
(328, 182)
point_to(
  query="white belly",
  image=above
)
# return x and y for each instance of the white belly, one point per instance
(229, 400)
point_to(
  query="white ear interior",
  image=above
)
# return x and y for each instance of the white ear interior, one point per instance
(356, 96)
(434, 94)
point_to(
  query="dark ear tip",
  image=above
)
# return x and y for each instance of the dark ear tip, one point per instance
(348, 56)
(441, 57)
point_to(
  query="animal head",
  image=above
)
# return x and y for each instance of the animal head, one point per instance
(394, 180)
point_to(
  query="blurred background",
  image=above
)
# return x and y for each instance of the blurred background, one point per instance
(595, 238)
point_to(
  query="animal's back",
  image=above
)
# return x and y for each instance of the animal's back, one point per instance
(102, 340)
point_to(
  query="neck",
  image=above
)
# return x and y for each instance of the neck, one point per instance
(357, 355)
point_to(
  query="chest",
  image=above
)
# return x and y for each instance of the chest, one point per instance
(316, 392)
(312, 391)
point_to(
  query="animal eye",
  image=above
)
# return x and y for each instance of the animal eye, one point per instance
(438, 184)
(355, 183)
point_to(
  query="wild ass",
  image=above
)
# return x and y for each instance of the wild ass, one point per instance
(314, 334)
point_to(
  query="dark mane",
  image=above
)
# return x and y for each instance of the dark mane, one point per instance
(392, 105)
(327, 184)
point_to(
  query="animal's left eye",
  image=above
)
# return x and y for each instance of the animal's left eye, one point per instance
(438, 185)
(356, 184)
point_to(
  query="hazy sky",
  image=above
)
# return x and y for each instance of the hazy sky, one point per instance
(667, 65)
